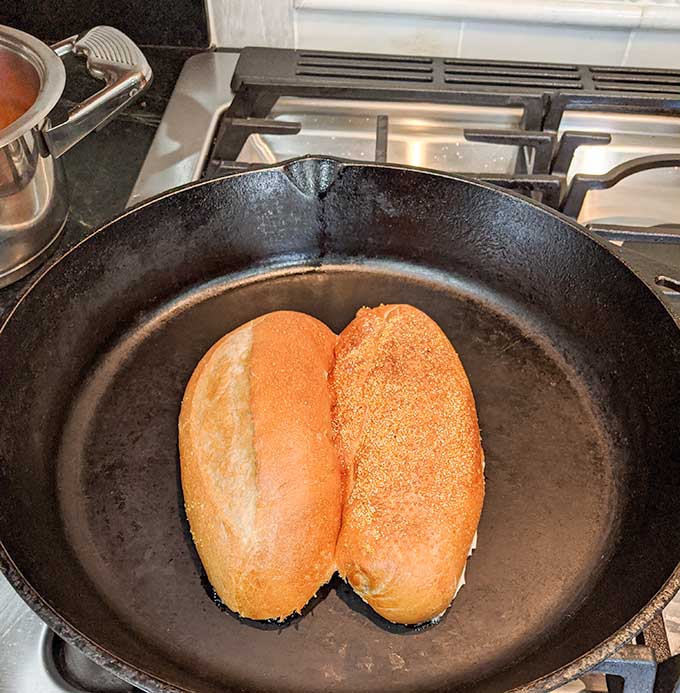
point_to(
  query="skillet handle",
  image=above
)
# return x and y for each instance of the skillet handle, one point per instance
(112, 57)
(663, 278)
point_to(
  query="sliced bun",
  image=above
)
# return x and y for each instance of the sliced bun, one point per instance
(259, 470)
(408, 440)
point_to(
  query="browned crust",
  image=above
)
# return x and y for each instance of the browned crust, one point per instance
(407, 435)
(265, 539)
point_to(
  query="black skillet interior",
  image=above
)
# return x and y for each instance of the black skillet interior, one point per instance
(575, 366)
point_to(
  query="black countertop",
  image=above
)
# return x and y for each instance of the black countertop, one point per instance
(170, 23)
(103, 168)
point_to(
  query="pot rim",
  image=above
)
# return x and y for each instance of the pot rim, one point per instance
(52, 76)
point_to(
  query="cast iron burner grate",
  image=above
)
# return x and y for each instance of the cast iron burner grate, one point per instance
(543, 91)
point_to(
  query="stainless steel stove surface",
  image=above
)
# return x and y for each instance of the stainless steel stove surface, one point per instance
(206, 131)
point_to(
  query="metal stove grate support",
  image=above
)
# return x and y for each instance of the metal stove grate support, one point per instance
(543, 90)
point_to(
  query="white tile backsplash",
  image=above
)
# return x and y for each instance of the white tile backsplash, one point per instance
(238, 23)
(654, 49)
(543, 43)
(460, 29)
(373, 33)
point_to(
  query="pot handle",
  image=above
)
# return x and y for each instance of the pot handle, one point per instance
(112, 57)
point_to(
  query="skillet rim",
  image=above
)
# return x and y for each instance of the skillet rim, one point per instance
(141, 678)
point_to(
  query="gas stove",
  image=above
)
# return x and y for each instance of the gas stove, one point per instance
(600, 144)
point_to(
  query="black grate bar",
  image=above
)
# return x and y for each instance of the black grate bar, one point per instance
(581, 184)
(511, 72)
(637, 88)
(363, 74)
(513, 82)
(542, 143)
(548, 189)
(637, 234)
(550, 156)
(637, 79)
(330, 56)
(674, 286)
(233, 133)
(221, 167)
(633, 70)
(617, 101)
(366, 65)
(569, 143)
(381, 139)
(265, 126)
(511, 64)
(543, 90)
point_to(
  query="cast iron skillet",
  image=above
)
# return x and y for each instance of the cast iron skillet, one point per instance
(575, 365)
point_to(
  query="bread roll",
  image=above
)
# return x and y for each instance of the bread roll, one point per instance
(411, 460)
(259, 470)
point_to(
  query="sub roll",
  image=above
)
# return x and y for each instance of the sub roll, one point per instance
(260, 474)
(408, 441)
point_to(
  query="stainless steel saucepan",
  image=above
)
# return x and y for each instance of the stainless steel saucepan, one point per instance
(33, 190)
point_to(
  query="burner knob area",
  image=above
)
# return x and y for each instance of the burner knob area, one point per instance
(74, 671)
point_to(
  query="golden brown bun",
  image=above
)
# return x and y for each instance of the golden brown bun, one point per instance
(259, 470)
(407, 435)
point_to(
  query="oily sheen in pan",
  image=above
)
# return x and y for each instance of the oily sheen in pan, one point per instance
(303, 454)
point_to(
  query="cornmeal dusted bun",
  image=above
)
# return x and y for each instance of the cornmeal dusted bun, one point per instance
(412, 466)
(259, 470)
